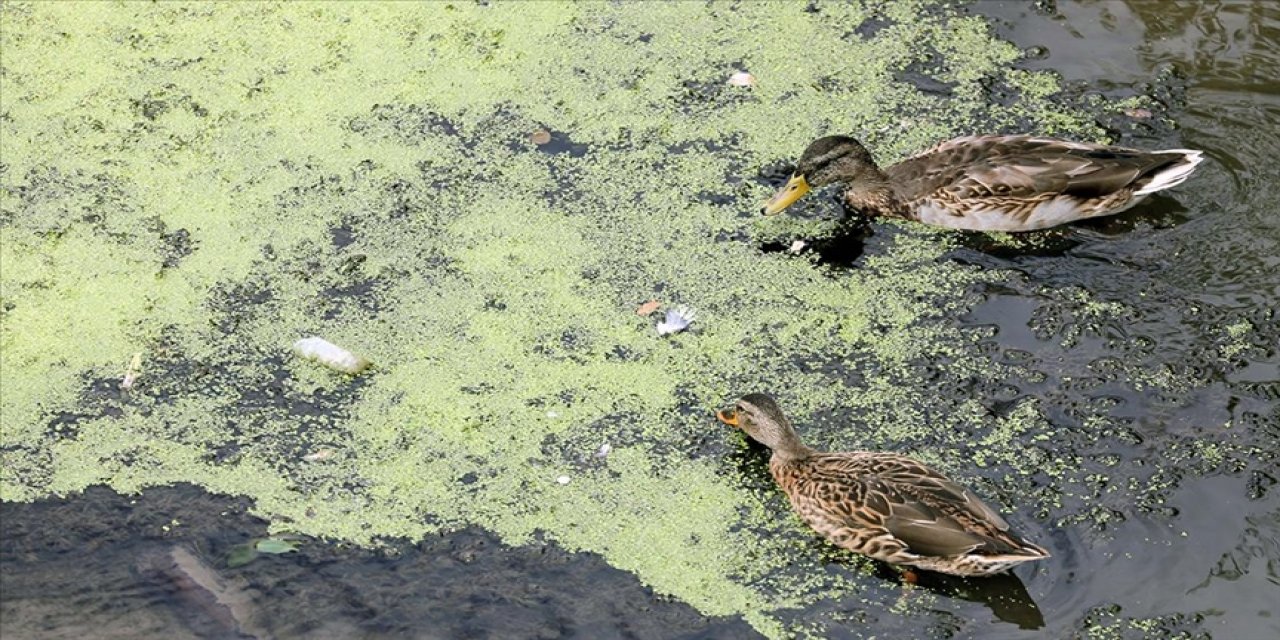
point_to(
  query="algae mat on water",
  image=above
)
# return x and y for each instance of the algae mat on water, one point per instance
(206, 183)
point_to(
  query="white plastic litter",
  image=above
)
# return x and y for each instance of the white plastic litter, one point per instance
(677, 320)
(330, 355)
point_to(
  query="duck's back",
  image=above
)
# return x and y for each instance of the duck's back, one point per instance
(1021, 183)
(895, 508)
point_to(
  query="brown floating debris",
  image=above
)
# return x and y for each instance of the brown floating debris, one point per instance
(330, 355)
(742, 79)
(648, 308)
(1139, 113)
(540, 137)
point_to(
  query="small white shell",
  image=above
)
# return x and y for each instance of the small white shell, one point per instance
(742, 79)
(677, 320)
(563, 479)
(330, 355)
(604, 450)
(798, 246)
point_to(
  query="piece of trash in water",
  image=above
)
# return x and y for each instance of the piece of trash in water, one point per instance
(603, 450)
(563, 479)
(798, 246)
(132, 372)
(553, 414)
(317, 456)
(330, 355)
(677, 320)
(540, 137)
(1138, 112)
(648, 308)
(742, 79)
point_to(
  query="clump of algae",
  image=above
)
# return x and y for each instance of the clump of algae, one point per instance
(364, 174)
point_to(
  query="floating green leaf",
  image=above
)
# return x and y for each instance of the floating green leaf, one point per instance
(241, 555)
(276, 545)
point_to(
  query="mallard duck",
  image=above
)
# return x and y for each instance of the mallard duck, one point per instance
(882, 505)
(990, 183)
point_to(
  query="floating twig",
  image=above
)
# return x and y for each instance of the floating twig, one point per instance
(317, 456)
(132, 372)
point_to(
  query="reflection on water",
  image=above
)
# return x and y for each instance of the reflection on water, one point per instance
(103, 565)
(1004, 595)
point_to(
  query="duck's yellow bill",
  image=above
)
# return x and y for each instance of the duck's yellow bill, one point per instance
(727, 416)
(785, 196)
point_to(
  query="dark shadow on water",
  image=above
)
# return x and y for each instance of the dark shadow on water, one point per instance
(560, 142)
(1004, 594)
(838, 250)
(156, 565)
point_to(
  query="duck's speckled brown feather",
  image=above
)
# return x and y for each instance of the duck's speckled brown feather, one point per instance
(887, 506)
(1001, 170)
(882, 493)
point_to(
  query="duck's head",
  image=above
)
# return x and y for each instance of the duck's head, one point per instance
(827, 160)
(761, 418)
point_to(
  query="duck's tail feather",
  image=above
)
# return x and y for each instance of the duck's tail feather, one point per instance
(1173, 174)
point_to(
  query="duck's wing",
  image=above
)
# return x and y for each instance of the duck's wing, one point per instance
(929, 530)
(926, 511)
(982, 168)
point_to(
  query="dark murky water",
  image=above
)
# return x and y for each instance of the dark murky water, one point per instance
(102, 566)
(1189, 549)
(1204, 563)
